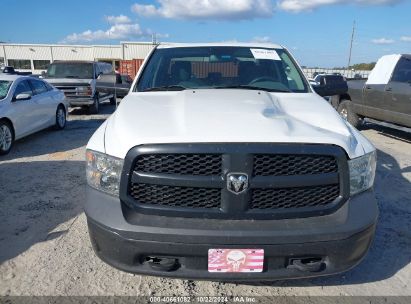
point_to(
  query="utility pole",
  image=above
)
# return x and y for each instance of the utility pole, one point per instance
(5, 55)
(352, 40)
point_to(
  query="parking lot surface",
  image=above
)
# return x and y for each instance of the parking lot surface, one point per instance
(45, 249)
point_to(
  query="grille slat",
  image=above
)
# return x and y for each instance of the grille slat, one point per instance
(185, 164)
(294, 197)
(172, 196)
(285, 165)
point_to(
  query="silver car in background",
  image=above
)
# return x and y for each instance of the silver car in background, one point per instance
(28, 105)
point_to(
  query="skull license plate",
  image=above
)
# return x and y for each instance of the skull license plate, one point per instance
(235, 260)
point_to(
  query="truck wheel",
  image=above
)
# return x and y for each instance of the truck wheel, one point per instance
(6, 137)
(94, 108)
(348, 114)
(113, 101)
(61, 118)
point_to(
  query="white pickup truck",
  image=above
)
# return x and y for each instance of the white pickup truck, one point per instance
(222, 163)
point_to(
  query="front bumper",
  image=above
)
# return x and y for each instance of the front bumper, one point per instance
(75, 101)
(124, 239)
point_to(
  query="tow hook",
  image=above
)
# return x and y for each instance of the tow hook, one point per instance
(307, 264)
(162, 264)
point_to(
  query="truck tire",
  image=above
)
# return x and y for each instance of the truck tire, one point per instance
(346, 112)
(6, 137)
(94, 108)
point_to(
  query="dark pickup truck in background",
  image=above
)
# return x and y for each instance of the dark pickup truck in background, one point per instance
(329, 84)
(11, 71)
(385, 96)
(116, 84)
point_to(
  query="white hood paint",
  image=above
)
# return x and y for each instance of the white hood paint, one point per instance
(220, 116)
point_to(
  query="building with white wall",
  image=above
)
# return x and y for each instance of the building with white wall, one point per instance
(36, 57)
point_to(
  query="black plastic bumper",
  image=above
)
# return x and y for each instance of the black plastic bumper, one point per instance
(126, 240)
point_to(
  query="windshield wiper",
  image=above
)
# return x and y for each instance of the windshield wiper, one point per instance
(70, 76)
(249, 87)
(166, 88)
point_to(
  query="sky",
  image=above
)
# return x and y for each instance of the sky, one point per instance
(317, 32)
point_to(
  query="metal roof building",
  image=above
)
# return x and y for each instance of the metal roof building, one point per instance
(36, 57)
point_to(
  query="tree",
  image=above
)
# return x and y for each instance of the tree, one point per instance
(363, 66)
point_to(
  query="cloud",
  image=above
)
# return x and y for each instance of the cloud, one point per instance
(230, 41)
(237, 9)
(207, 9)
(118, 19)
(406, 38)
(263, 39)
(382, 41)
(115, 32)
(308, 5)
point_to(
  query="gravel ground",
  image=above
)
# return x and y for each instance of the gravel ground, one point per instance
(45, 249)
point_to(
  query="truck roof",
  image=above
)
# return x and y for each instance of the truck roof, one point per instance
(235, 44)
(12, 77)
(382, 72)
(73, 61)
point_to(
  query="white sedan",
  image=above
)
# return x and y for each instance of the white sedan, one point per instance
(28, 105)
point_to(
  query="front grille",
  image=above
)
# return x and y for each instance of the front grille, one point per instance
(278, 165)
(294, 197)
(188, 164)
(170, 196)
(66, 88)
(284, 181)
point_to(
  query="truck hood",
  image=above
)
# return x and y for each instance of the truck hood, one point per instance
(221, 116)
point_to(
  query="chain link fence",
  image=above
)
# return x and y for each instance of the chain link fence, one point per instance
(312, 72)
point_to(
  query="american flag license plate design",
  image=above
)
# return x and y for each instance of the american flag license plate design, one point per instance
(235, 260)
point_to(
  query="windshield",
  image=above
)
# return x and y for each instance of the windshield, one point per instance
(4, 88)
(221, 67)
(70, 70)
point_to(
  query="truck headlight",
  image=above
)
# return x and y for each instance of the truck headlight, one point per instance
(86, 90)
(104, 172)
(362, 172)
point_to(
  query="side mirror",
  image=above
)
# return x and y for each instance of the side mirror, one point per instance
(118, 79)
(22, 96)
